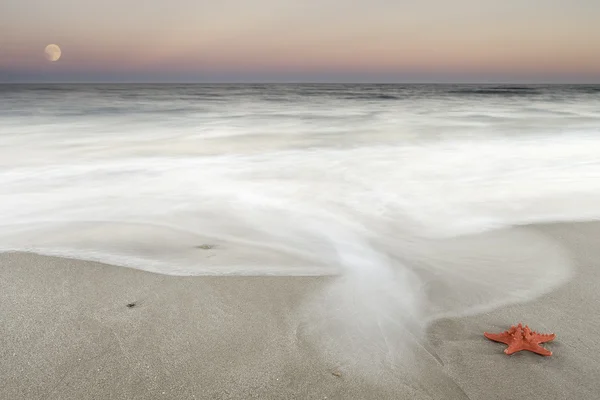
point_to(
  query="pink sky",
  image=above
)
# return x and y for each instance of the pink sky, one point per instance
(492, 38)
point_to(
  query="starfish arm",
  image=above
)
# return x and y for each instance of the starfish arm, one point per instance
(513, 348)
(540, 338)
(536, 348)
(498, 337)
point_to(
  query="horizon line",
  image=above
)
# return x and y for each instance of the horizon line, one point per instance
(286, 83)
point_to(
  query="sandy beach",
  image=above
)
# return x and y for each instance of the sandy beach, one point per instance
(73, 329)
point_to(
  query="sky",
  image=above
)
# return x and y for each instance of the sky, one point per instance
(301, 40)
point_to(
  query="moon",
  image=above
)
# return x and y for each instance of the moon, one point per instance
(52, 52)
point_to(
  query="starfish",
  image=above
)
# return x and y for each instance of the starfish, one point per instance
(518, 338)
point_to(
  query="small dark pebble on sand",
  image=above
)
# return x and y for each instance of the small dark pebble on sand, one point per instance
(131, 305)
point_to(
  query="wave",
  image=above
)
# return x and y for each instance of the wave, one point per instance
(499, 91)
(374, 96)
(514, 90)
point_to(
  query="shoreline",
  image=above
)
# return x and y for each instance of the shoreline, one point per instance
(68, 332)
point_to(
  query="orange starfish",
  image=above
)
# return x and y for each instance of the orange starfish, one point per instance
(518, 338)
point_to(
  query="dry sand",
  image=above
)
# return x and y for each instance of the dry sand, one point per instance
(66, 332)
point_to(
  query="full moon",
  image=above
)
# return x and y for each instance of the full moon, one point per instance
(52, 52)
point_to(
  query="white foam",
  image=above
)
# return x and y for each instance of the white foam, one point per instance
(296, 202)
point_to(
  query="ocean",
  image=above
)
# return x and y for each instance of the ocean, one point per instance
(422, 196)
